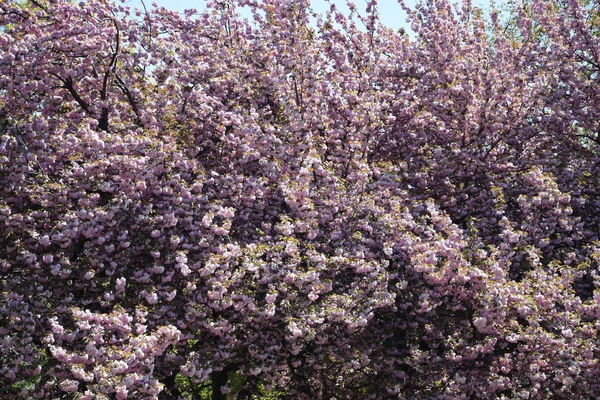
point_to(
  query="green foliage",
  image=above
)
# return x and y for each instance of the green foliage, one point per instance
(235, 380)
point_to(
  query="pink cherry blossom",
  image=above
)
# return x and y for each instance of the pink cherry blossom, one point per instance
(312, 204)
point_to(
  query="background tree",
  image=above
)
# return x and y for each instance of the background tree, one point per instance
(198, 203)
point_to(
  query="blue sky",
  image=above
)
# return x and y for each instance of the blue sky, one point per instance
(391, 13)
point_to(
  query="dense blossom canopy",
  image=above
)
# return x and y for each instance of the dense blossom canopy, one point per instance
(308, 206)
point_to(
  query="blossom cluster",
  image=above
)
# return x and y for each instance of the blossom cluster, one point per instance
(321, 205)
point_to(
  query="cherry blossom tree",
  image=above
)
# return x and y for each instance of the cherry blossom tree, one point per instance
(298, 205)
